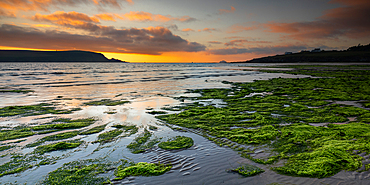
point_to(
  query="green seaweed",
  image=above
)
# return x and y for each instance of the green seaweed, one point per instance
(107, 102)
(15, 133)
(78, 172)
(6, 147)
(279, 118)
(13, 90)
(248, 170)
(65, 124)
(57, 146)
(141, 169)
(156, 112)
(93, 130)
(132, 128)
(178, 142)
(54, 137)
(108, 136)
(151, 127)
(16, 165)
(20, 163)
(31, 110)
(138, 144)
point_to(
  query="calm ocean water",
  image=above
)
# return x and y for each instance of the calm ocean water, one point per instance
(146, 86)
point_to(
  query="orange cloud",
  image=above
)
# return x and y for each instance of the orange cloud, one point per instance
(39, 25)
(151, 41)
(351, 21)
(208, 30)
(8, 8)
(65, 16)
(215, 42)
(187, 30)
(239, 28)
(222, 11)
(106, 17)
(69, 19)
(7, 13)
(146, 16)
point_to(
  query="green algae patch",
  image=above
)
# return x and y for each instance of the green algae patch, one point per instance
(64, 123)
(7, 147)
(14, 90)
(248, 170)
(156, 112)
(93, 130)
(108, 136)
(64, 145)
(280, 114)
(179, 142)
(17, 164)
(151, 127)
(54, 137)
(132, 128)
(15, 133)
(31, 110)
(142, 142)
(78, 172)
(141, 169)
(107, 102)
(20, 163)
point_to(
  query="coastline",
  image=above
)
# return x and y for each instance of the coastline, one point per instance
(231, 112)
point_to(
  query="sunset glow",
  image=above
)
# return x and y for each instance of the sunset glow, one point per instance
(179, 31)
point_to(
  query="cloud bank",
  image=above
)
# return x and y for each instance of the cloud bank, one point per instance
(9, 8)
(257, 50)
(351, 21)
(152, 40)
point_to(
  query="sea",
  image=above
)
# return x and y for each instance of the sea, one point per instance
(148, 86)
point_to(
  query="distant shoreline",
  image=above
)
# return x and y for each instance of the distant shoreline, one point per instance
(54, 56)
(353, 54)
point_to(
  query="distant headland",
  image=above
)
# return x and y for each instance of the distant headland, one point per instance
(360, 53)
(53, 56)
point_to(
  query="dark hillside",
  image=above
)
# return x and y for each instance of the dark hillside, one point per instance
(52, 56)
(352, 54)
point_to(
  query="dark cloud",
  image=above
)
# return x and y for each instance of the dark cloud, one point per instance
(257, 50)
(351, 21)
(153, 40)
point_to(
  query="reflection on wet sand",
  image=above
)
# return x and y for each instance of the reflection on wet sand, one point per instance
(147, 87)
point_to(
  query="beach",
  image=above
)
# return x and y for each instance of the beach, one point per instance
(80, 102)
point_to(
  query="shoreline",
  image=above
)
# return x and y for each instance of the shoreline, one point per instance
(232, 111)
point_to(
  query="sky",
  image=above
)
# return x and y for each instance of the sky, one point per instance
(184, 31)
